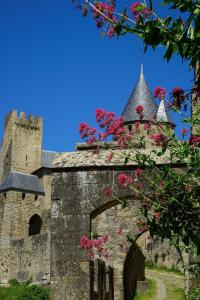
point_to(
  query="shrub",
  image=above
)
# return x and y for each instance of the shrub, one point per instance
(13, 282)
(34, 292)
(194, 293)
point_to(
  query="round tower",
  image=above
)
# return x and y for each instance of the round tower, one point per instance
(153, 118)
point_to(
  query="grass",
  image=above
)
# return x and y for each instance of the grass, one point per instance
(174, 293)
(11, 293)
(150, 265)
(148, 295)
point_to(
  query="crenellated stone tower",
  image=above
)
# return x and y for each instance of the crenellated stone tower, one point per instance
(24, 206)
(22, 144)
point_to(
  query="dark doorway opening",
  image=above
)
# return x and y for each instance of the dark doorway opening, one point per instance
(35, 225)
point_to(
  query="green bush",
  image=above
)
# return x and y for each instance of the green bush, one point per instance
(13, 282)
(34, 292)
(194, 293)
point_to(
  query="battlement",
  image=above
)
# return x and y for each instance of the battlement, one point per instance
(21, 120)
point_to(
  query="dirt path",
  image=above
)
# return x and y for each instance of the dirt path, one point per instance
(163, 278)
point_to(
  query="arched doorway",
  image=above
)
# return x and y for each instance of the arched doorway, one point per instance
(134, 270)
(35, 225)
(126, 264)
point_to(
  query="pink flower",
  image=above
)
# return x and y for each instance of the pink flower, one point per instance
(137, 124)
(194, 139)
(138, 172)
(147, 126)
(124, 180)
(157, 215)
(159, 92)
(104, 238)
(138, 10)
(139, 110)
(179, 96)
(87, 132)
(111, 32)
(158, 137)
(177, 91)
(110, 156)
(84, 242)
(108, 192)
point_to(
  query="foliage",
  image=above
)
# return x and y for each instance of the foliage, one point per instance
(150, 294)
(34, 292)
(22, 291)
(169, 191)
(194, 293)
(13, 282)
(178, 35)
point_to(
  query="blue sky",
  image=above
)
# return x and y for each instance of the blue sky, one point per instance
(54, 63)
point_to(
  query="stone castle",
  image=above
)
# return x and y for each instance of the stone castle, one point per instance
(48, 200)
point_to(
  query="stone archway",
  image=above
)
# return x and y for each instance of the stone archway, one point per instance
(77, 196)
(127, 260)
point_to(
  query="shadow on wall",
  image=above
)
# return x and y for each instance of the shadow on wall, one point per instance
(134, 270)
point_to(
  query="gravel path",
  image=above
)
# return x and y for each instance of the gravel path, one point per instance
(161, 279)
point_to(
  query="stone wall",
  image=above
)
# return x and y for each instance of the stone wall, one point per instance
(25, 259)
(76, 197)
(23, 256)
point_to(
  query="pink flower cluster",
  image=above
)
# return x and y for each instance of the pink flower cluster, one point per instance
(113, 126)
(157, 215)
(101, 12)
(139, 10)
(87, 132)
(138, 172)
(147, 126)
(95, 247)
(159, 92)
(124, 180)
(194, 139)
(179, 97)
(108, 192)
(139, 110)
(158, 138)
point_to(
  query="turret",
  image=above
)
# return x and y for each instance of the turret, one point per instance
(140, 95)
(153, 117)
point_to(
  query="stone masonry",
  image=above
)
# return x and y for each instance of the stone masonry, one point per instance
(49, 200)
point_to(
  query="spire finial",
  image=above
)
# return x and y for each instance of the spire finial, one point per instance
(141, 71)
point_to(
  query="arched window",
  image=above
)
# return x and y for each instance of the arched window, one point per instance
(35, 225)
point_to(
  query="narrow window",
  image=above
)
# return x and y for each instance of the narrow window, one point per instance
(35, 225)
(36, 197)
(23, 196)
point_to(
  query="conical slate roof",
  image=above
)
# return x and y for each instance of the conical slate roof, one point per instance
(163, 115)
(140, 95)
